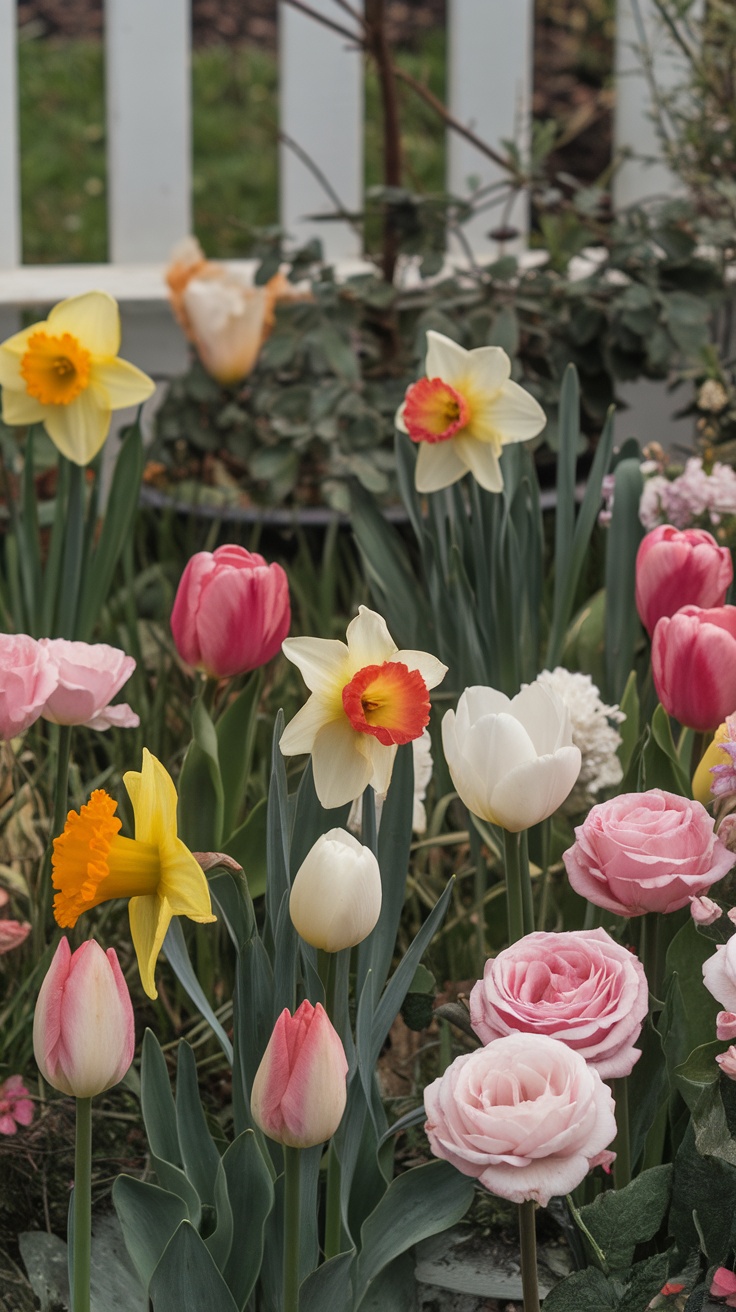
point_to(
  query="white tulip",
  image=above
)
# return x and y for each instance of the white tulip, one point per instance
(512, 760)
(336, 896)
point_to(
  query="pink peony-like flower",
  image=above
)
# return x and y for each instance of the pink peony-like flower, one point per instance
(231, 611)
(27, 680)
(719, 975)
(580, 987)
(694, 665)
(525, 1116)
(676, 568)
(88, 676)
(644, 852)
(16, 1107)
(723, 1285)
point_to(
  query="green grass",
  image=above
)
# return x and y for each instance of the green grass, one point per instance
(63, 167)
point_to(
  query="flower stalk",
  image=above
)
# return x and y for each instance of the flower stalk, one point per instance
(528, 1240)
(292, 1172)
(81, 1236)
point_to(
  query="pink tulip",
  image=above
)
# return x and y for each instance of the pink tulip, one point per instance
(16, 1107)
(12, 934)
(27, 680)
(694, 665)
(231, 611)
(299, 1092)
(724, 1286)
(676, 568)
(83, 1032)
(88, 677)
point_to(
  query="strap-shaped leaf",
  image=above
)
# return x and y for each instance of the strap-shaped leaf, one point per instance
(201, 797)
(149, 1216)
(157, 1102)
(186, 1277)
(250, 1189)
(199, 1154)
(329, 1288)
(116, 526)
(236, 731)
(177, 955)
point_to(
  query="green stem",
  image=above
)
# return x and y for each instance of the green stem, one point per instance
(71, 577)
(544, 898)
(650, 952)
(528, 1238)
(527, 893)
(598, 1253)
(61, 803)
(480, 888)
(82, 1234)
(514, 885)
(622, 1144)
(333, 1218)
(292, 1166)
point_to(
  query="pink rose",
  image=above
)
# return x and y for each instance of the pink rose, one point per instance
(646, 852)
(525, 1115)
(726, 1026)
(88, 676)
(719, 974)
(231, 611)
(27, 679)
(580, 987)
(676, 568)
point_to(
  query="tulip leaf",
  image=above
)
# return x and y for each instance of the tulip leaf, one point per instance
(157, 1101)
(220, 1241)
(394, 843)
(311, 820)
(278, 828)
(199, 1154)
(250, 1189)
(662, 736)
(629, 728)
(177, 955)
(286, 955)
(417, 1204)
(201, 798)
(248, 846)
(149, 1216)
(329, 1288)
(623, 627)
(390, 574)
(236, 731)
(186, 1277)
(254, 1012)
(120, 512)
(230, 892)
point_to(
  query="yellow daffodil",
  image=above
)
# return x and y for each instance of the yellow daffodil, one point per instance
(367, 698)
(463, 414)
(715, 754)
(92, 863)
(65, 373)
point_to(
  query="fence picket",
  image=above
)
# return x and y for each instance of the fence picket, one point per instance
(9, 137)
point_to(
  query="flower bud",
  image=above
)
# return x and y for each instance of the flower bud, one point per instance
(336, 896)
(694, 665)
(299, 1091)
(679, 567)
(704, 910)
(726, 1026)
(83, 1032)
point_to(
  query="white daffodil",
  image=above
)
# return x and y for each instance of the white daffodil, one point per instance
(464, 412)
(65, 373)
(512, 761)
(367, 698)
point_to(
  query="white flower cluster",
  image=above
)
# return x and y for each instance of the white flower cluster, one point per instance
(684, 500)
(593, 731)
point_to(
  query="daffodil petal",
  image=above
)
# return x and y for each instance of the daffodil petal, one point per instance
(517, 416)
(153, 796)
(184, 884)
(487, 369)
(93, 318)
(323, 662)
(150, 918)
(438, 465)
(118, 384)
(369, 641)
(445, 359)
(341, 768)
(17, 345)
(20, 408)
(482, 461)
(78, 429)
(431, 670)
(300, 733)
(399, 418)
(382, 760)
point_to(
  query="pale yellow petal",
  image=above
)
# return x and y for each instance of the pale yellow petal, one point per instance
(482, 461)
(399, 418)
(341, 768)
(93, 318)
(445, 359)
(323, 662)
(369, 641)
(78, 429)
(300, 733)
(150, 918)
(438, 465)
(488, 368)
(17, 345)
(118, 384)
(382, 759)
(154, 800)
(184, 884)
(516, 415)
(431, 670)
(20, 408)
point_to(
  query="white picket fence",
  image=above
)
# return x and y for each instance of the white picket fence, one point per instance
(148, 88)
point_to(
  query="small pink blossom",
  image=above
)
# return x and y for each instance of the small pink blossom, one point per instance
(704, 910)
(16, 1107)
(726, 1026)
(732, 912)
(27, 680)
(727, 1062)
(12, 934)
(724, 1286)
(88, 676)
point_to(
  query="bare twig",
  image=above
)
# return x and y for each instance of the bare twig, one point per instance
(323, 181)
(436, 104)
(354, 13)
(326, 22)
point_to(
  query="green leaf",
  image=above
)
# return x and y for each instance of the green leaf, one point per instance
(662, 735)
(417, 1204)
(329, 1288)
(117, 524)
(394, 842)
(690, 1010)
(177, 955)
(620, 1219)
(149, 1216)
(157, 1102)
(186, 1277)
(698, 1072)
(584, 1291)
(623, 627)
(199, 1154)
(703, 1201)
(250, 1189)
(201, 797)
(629, 729)
(569, 432)
(248, 847)
(229, 890)
(339, 354)
(235, 740)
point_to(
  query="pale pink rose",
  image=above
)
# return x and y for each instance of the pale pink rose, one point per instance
(27, 680)
(525, 1116)
(727, 1062)
(726, 1026)
(580, 987)
(732, 912)
(704, 910)
(16, 1107)
(88, 676)
(719, 974)
(724, 1286)
(644, 852)
(12, 934)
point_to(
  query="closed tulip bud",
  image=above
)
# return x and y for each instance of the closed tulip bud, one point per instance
(231, 611)
(336, 896)
(694, 665)
(83, 1033)
(679, 567)
(299, 1091)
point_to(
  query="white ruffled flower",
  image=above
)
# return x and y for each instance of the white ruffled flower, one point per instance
(593, 731)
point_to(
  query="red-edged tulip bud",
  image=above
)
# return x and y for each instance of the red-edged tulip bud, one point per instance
(694, 665)
(83, 1032)
(679, 567)
(231, 611)
(336, 896)
(299, 1092)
